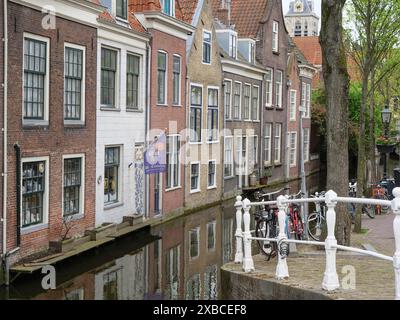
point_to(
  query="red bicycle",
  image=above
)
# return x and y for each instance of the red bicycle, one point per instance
(294, 221)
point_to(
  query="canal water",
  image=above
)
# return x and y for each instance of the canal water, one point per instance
(176, 260)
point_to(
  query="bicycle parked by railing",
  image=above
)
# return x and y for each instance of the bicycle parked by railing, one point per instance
(266, 218)
(294, 221)
(316, 221)
(367, 209)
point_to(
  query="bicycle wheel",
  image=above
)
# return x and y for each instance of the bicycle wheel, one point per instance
(316, 223)
(263, 230)
(385, 209)
(299, 228)
(369, 210)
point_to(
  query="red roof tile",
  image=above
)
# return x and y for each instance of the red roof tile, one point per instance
(188, 8)
(310, 48)
(245, 15)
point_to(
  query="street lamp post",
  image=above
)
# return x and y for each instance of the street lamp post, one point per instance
(386, 115)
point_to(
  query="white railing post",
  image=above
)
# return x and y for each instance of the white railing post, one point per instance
(396, 229)
(282, 267)
(331, 280)
(248, 264)
(239, 232)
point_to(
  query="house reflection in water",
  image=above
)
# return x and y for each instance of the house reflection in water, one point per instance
(180, 260)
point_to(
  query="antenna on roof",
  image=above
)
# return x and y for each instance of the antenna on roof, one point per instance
(228, 4)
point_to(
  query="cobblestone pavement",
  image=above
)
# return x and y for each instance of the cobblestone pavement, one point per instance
(374, 278)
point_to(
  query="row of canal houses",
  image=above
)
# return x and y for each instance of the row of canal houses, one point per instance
(89, 84)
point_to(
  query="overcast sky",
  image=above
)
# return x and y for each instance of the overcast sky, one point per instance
(317, 5)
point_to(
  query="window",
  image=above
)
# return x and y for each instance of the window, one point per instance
(269, 79)
(252, 51)
(275, 36)
(306, 137)
(173, 163)
(108, 77)
(194, 241)
(236, 100)
(308, 101)
(35, 79)
(228, 98)
(278, 94)
(176, 99)
(228, 161)
(132, 81)
(196, 97)
(246, 102)
(211, 283)
(207, 47)
(111, 285)
(111, 172)
(168, 7)
(292, 107)
(72, 186)
(292, 148)
(277, 143)
(212, 115)
(73, 83)
(173, 273)
(161, 78)
(195, 177)
(297, 29)
(121, 9)
(253, 147)
(211, 235)
(267, 143)
(193, 288)
(304, 95)
(33, 192)
(241, 154)
(233, 46)
(212, 183)
(254, 103)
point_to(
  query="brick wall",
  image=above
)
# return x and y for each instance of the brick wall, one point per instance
(55, 140)
(1, 122)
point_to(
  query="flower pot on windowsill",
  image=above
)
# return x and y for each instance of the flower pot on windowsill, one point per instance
(385, 148)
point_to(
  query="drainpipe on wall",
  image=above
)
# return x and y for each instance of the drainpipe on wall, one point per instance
(5, 84)
(17, 149)
(147, 125)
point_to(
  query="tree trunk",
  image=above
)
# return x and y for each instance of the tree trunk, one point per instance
(361, 163)
(336, 81)
(372, 155)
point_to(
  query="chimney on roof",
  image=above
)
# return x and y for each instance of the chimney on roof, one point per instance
(224, 12)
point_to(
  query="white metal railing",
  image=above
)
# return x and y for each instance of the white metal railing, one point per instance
(330, 281)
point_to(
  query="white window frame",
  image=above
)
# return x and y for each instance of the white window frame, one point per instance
(258, 103)
(117, 79)
(228, 115)
(46, 196)
(303, 95)
(114, 11)
(308, 101)
(218, 113)
(233, 45)
(120, 190)
(246, 85)
(214, 225)
(215, 174)
(83, 86)
(197, 230)
(46, 107)
(293, 149)
(203, 43)
(179, 165)
(278, 146)
(306, 146)
(197, 85)
(254, 138)
(269, 85)
(240, 101)
(180, 81)
(275, 36)
(268, 152)
(279, 89)
(165, 79)
(232, 164)
(292, 105)
(198, 189)
(82, 190)
(140, 78)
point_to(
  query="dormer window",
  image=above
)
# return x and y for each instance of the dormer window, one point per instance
(233, 45)
(252, 53)
(122, 9)
(168, 7)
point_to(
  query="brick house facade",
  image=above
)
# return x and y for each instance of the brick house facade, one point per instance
(52, 147)
(167, 113)
(203, 165)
